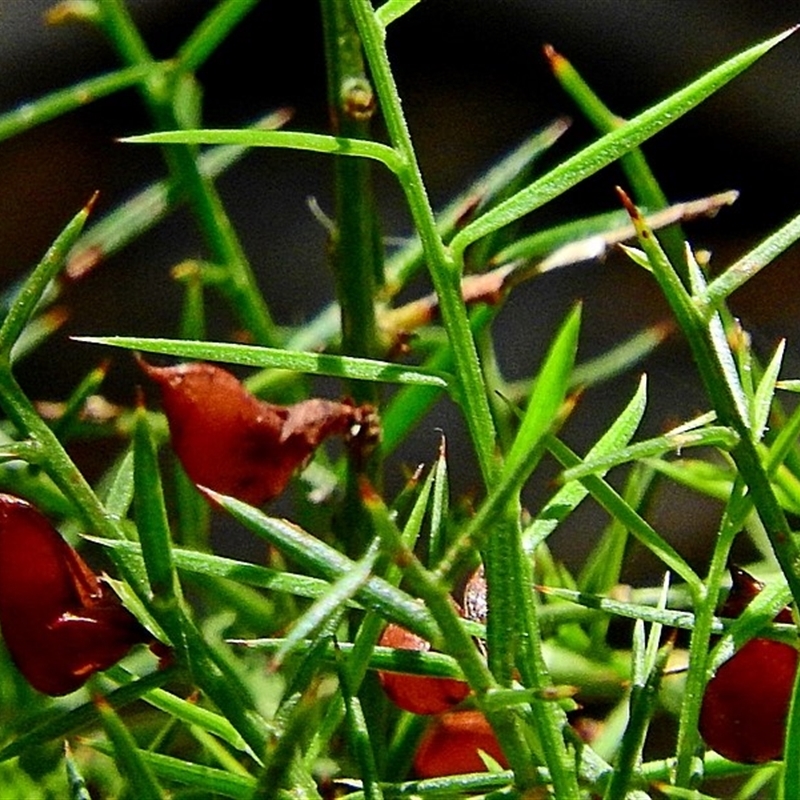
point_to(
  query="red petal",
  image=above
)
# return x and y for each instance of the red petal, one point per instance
(235, 444)
(745, 704)
(744, 587)
(450, 746)
(59, 623)
(416, 693)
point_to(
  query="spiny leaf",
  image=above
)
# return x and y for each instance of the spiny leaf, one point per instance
(255, 356)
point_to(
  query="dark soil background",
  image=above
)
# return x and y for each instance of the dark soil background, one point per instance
(474, 83)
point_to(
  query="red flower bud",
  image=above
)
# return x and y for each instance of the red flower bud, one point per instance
(416, 693)
(745, 704)
(744, 588)
(235, 444)
(59, 622)
(450, 745)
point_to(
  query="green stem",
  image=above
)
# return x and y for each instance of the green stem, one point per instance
(549, 720)
(356, 244)
(444, 269)
(724, 397)
(642, 704)
(159, 94)
(356, 249)
(688, 737)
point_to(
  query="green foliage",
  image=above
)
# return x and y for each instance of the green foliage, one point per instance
(270, 687)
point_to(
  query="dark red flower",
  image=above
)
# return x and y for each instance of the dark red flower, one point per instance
(745, 704)
(744, 588)
(60, 623)
(450, 745)
(417, 693)
(233, 443)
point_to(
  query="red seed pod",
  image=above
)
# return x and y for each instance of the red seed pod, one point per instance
(417, 693)
(450, 745)
(59, 622)
(744, 587)
(235, 444)
(745, 704)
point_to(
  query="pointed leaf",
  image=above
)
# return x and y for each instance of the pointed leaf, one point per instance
(548, 394)
(318, 557)
(255, 356)
(127, 756)
(762, 402)
(292, 140)
(568, 497)
(327, 608)
(611, 146)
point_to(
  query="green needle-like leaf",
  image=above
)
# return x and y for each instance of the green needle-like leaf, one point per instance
(749, 265)
(389, 659)
(715, 362)
(328, 607)
(611, 146)
(134, 217)
(670, 618)
(151, 515)
(570, 496)
(711, 436)
(394, 9)
(191, 561)
(34, 287)
(318, 557)
(63, 101)
(610, 499)
(128, 756)
(548, 394)
(253, 356)
(211, 32)
(292, 140)
(77, 784)
(209, 781)
(762, 402)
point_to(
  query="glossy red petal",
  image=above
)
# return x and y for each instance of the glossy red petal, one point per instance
(416, 693)
(235, 444)
(743, 715)
(450, 745)
(60, 624)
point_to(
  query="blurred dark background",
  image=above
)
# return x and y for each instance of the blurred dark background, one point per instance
(474, 83)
